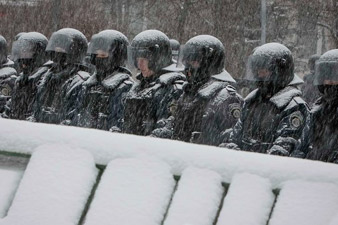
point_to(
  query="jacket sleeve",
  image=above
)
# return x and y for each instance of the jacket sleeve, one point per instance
(293, 124)
(221, 114)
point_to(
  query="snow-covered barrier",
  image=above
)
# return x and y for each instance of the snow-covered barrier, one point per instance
(54, 189)
(132, 192)
(197, 198)
(306, 203)
(248, 202)
(9, 180)
(214, 185)
(25, 137)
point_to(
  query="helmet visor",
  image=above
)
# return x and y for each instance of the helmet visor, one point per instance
(100, 45)
(138, 52)
(60, 43)
(190, 57)
(258, 68)
(326, 73)
(23, 49)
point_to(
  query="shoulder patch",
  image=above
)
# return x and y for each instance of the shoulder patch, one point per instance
(296, 119)
(6, 90)
(235, 110)
(170, 78)
(299, 100)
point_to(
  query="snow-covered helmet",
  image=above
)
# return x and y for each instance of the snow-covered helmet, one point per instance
(207, 52)
(327, 67)
(3, 50)
(276, 60)
(30, 46)
(70, 42)
(326, 75)
(154, 46)
(111, 42)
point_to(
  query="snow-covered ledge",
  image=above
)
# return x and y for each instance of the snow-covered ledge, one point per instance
(24, 137)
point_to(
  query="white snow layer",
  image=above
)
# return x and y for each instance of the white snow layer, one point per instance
(54, 189)
(9, 182)
(334, 221)
(132, 192)
(305, 203)
(25, 137)
(248, 202)
(197, 198)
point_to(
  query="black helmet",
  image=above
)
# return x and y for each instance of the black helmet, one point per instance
(207, 52)
(326, 76)
(277, 62)
(70, 42)
(154, 46)
(111, 42)
(30, 46)
(3, 50)
(327, 68)
(175, 47)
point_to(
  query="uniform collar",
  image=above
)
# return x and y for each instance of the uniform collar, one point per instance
(281, 99)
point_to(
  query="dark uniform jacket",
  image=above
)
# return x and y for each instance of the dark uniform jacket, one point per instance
(58, 93)
(8, 76)
(273, 125)
(24, 94)
(150, 100)
(102, 102)
(324, 132)
(204, 113)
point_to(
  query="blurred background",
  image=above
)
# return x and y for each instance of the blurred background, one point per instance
(307, 27)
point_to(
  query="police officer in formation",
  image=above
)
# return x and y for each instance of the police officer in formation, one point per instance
(29, 53)
(158, 85)
(188, 97)
(274, 115)
(102, 95)
(209, 104)
(324, 133)
(8, 75)
(59, 88)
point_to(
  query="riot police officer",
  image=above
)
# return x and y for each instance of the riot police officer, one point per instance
(59, 88)
(274, 116)
(7, 75)
(157, 86)
(102, 95)
(324, 132)
(29, 53)
(209, 104)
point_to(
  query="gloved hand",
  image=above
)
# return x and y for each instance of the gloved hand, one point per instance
(230, 146)
(278, 150)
